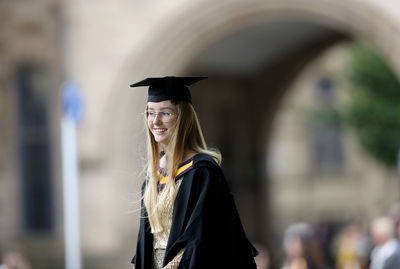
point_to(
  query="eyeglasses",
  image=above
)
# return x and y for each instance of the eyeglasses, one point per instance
(164, 116)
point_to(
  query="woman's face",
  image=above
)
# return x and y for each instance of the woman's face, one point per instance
(161, 119)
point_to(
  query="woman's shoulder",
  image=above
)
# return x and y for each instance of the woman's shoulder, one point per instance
(205, 165)
(206, 173)
(201, 160)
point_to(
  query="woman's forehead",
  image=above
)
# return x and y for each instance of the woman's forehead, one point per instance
(161, 105)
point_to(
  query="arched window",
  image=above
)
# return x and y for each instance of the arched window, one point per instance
(326, 132)
(34, 150)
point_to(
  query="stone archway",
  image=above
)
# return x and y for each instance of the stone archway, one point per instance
(183, 43)
(206, 22)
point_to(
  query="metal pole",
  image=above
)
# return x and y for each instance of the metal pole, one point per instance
(72, 107)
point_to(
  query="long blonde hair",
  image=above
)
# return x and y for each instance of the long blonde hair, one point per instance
(187, 136)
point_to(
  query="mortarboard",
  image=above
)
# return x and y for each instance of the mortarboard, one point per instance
(168, 88)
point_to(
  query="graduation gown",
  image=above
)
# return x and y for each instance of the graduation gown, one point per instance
(205, 223)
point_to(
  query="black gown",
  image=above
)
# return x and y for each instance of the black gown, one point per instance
(205, 222)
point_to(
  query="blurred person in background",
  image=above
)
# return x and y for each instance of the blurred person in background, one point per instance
(297, 247)
(189, 218)
(14, 260)
(394, 213)
(321, 244)
(263, 258)
(352, 248)
(385, 254)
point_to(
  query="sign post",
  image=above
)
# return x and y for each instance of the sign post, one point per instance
(72, 111)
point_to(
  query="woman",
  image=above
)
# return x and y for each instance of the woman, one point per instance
(188, 218)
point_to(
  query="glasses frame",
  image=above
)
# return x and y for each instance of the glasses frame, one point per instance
(160, 114)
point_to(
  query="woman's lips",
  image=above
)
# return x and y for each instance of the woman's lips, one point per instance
(159, 131)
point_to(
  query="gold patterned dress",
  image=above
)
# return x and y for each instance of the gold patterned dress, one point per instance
(160, 240)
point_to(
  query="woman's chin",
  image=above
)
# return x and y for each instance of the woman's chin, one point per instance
(160, 139)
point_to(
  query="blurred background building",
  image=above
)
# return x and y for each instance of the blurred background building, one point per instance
(269, 62)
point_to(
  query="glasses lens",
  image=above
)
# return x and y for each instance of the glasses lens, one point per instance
(149, 115)
(165, 116)
(162, 116)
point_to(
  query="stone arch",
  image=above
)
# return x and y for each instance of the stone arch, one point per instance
(203, 26)
(206, 22)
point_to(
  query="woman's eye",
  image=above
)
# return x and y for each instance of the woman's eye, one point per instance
(165, 113)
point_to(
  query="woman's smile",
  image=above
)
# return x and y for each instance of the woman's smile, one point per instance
(159, 133)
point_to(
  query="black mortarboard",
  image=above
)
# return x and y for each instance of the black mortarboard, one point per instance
(168, 88)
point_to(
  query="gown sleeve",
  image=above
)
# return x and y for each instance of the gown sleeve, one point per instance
(211, 233)
(144, 246)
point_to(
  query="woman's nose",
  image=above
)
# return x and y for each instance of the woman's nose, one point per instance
(157, 119)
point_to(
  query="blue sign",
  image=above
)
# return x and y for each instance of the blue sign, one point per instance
(72, 101)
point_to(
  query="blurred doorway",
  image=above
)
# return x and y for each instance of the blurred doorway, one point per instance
(251, 70)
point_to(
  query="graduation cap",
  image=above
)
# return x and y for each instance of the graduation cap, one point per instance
(168, 88)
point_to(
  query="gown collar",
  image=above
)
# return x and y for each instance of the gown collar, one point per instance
(183, 168)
